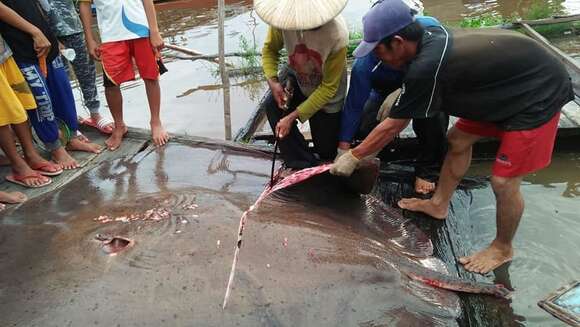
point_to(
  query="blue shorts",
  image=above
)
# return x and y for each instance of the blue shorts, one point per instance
(54, 101)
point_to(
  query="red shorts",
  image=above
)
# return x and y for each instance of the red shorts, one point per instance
(117, 60)
(520, 152)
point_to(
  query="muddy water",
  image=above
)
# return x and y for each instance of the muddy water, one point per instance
(191, 97)
(546, 255)
(304, 262)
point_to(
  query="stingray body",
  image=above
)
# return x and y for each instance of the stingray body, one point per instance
(312, 255)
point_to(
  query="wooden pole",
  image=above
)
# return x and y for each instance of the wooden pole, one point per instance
(223, 70)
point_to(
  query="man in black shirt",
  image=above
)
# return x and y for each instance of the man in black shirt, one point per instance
(500, 83)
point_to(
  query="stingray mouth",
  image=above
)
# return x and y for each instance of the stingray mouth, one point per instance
(114, 245)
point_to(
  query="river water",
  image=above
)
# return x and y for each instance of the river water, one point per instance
(191, 97)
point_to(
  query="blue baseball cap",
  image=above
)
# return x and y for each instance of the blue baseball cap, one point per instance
(383, 19)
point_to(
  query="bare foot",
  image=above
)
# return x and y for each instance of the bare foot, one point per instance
(425, 206)
(43, 166)
(489, 259)
(114, 141)
(64, 159)
(423, 186)
(159, 135)
(28, 176)
(79, 144)
(12, 197)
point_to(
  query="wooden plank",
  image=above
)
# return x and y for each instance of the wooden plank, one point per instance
(223, 70)
(553, 20)
(255, 122)
(87, 161)
(572, 111)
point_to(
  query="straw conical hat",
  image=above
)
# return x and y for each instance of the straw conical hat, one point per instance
(298, 14)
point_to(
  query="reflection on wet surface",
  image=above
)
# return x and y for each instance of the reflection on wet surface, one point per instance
(304, 262)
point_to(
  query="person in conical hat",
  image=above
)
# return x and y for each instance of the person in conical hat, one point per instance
(316, 38)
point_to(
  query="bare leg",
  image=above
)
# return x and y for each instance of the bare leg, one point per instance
(80, 144)
(30, 154)
(115, 102)
(19, 166)
(158, 133)
(62, 157)
(455, 166)
(510, 208)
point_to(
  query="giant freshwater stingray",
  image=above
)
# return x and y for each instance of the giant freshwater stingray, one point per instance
(312, 254)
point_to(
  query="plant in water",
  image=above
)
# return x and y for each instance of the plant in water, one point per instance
(250, 61)
(541, 9)
(483, 20)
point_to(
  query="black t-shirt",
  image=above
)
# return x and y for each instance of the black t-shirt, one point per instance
(21, 42)
(486, 75)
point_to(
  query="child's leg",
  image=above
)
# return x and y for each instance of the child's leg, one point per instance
(115, 102)
(64, 105)
(34, 160)
(148, 69)
(19, 166)
(85, 72)
(12, 112)
(117, 68)
(158, 133)
(43, 118)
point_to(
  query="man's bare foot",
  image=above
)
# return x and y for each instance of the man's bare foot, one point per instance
(80, 144)
(489, 259)
(423, 186)
(114, 141)
(158, 134)
(425, 206)
(64, 159)
(12, 197)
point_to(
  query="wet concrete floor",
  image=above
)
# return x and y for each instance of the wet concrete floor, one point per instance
(304, 261)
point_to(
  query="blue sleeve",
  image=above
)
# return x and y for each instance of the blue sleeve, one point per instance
(358, 93)
(428, 21)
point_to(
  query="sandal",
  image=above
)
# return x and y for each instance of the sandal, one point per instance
(47, 168)
(20, 180)
(104, 125)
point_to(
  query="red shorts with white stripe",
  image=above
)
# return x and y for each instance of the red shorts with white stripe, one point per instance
(520, 152)
(117, 60)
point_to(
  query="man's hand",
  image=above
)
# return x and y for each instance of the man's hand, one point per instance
(41, 44)
(156, 42)
(344, 165)
(285, 125)
(94, 49)
(278, 92)
(342, 148)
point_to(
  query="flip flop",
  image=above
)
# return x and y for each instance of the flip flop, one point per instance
(101, 124)
(17, 179)
(47, 169)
